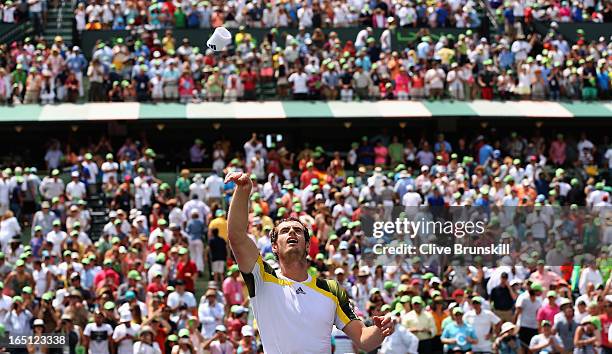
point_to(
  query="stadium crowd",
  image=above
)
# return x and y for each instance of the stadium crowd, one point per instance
(310, 66)
(132, 287)
(94, 15)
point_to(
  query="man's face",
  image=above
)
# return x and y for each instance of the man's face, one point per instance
(221, 336)
(608, 306)
(458, 317)
(291, 241)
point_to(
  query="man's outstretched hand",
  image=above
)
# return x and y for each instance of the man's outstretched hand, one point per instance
(242, 180)
(385, 323)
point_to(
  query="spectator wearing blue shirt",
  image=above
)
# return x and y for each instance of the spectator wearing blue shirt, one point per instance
(435, 200)
(423, 48)
(485, 153)
(441, 141)
(457, 335)
(441, 15)
(141, 50)
(603, 82)
(196, 230)
(77, 63)
(365, 153)
(363, 60)
(403, 181)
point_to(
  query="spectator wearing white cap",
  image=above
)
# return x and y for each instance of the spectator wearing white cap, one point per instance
(197, 188)
(210, 313)
(360, 291)
(340, 275)
(56, 237)
(147, 343)
(109, 168)
(565, 324)
(52, 186)
(220, 343)
(343, 256)
(402, 341)
(38, 327)
(247, 344)
(506, 341)
(75, 189)
(485, 323)
(196, 204)
(125, 333)
(411, 200)
(76, 63)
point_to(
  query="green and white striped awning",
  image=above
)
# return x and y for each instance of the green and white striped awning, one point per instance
(294, 109)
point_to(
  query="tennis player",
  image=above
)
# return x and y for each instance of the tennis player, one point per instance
(294, 312)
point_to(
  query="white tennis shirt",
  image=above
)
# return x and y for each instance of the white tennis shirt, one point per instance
(296, 317)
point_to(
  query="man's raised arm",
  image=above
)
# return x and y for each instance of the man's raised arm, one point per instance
(242, 246)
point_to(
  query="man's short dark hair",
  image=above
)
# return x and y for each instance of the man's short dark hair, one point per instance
(274, 232)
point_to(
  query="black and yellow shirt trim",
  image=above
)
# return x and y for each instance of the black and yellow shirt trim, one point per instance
(328, 288)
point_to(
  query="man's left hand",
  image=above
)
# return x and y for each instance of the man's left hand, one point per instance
(385, 323)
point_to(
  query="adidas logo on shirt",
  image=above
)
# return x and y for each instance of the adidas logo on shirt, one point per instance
(300, 291)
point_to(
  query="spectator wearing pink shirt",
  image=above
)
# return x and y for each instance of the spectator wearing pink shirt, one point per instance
(232, 288)
(544, 276)
(380, 154)
(402, 84)
(186, 86)
(550, 309)
(557, 150)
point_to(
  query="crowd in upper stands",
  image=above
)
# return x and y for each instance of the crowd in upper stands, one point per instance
(332, 14)
(145, 66)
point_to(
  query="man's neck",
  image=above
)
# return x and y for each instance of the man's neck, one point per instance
(295, 270)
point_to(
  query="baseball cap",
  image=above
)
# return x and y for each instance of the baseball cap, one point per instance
(247, 331)
(565, 301)
(417, 300)
(457, 310)
(233, 269)
(125, 316)
(477, 299)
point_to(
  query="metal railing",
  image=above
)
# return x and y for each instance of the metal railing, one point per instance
(16, 33)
